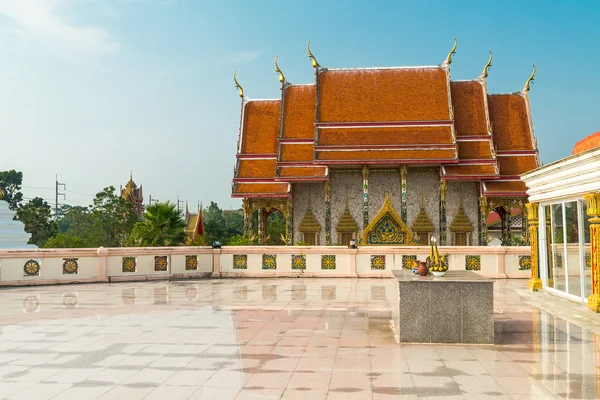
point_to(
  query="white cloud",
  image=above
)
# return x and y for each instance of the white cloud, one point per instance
(41, 22)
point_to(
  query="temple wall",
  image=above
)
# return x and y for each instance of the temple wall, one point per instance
(426, 181)
(470, 204)
(300, 205)
(339, 182)
(379, 184)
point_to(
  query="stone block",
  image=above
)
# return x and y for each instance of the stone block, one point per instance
(415, 312)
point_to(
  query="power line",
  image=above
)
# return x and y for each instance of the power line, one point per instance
(83, 194)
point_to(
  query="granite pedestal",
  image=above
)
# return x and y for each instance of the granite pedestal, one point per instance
(455, 308)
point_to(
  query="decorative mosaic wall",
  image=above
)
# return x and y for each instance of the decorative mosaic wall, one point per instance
(378, 262)
(299, 262)
(427, 181)
(269, 261)
(31, 268)
(473, 263)
(70, 266)
(240, 261)
(470, 204)
(380, 182)
(408, 260)
(524, 263)
(128, 264)
(191, 263)
(403, 211)
(328, 262)
(328, 292)
(352, 180)
(300, 204)
(161, 263)
(298, 292)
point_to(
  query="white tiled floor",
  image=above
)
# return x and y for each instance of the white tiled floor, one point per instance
(271, 339)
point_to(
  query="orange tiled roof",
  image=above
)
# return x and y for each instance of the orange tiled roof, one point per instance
(257, 168)
(456, 171)
(510, 121)
(377, 95)
(468, 100)
(588, 143)
(261, 190)
(395, 155)
(504, 188)
(299, 111)
(516, 165)
(296, 152)
(260, 127)
(292, 174)
(400, 135)
(479, 150)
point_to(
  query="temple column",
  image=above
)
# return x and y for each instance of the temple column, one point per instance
(593, 211)
(548, 247)
(483, 215)
(535, 282)
(506, 223)
(247, 218)
(403, 206)
(524, 223)
(289, 222)
(262, 226)
(443, 224)
(327, 188)
(365, 174)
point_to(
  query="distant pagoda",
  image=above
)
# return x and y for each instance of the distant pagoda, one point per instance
(132, 194)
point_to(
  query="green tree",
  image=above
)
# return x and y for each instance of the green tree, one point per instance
(161, 225)
(10, 182)
(75, 229)
(36, 215)
(113, 218)
(275, 229)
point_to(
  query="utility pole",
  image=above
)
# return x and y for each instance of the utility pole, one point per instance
(178, 201)
(153, 200)
(64, 196)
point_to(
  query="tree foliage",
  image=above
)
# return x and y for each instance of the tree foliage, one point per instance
(161, 225)
(10, 182)
(37, 217)
(222, 225)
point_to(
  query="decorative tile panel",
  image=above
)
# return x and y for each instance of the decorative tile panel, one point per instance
(328, 262)
(328, 292)
(191, 263)
(240, 261)
(524, 263)
(269, 261)
(161, 263)
(473, 263)
(269, 292)
(31, 268)
(70, 266)
(128, 264)
(298, 292)
(378, 262)
(408, 261)
(378, 293)
(299, 262)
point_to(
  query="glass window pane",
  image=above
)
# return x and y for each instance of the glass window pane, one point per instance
(573, 265)
(558, 249)
(587, 283)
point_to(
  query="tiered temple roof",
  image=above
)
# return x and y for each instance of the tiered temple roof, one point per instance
(385, 116)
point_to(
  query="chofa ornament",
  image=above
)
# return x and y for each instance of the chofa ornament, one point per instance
(437, 265)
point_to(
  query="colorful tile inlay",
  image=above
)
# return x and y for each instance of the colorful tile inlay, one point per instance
(269, 292)
(473, 263)
(240, 261)
(70, 266)
(328, 262)
(191, 263)
(298, 292)
(524, 263)
(161, 263)
(269, 261)
(31, 268)
(299, 262)
(408, 261)
(328, 292)
(128, 264)
(378, 262)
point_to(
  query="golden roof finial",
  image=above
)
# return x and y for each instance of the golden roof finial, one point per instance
(487, 66)
(453, 51)
(530, 80)
(130, 175)
(278, 70)
(237, 85)
(315, 63)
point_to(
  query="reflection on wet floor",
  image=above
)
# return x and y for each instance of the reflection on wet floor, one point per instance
(283, 338)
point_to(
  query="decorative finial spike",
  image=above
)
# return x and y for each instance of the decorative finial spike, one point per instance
(278, 70)
(530, 80)
(237, 85)
(130, 174)
(453, 51)
(487, 66)
(315, 63)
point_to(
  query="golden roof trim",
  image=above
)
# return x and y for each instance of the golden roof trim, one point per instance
(448, 60)
(313, 59)
(422, 223)
(529, 81)
(387, 208)
(278, 70)
(484, 74)
(309, 223)
(237, 85)
(461, 222)
(347, 223)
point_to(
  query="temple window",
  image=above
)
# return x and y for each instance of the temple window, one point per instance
(310, 228)
(461, 239)
(424, 238)
(310, 239)
(461, 227)
(346, 228)
(422, 225)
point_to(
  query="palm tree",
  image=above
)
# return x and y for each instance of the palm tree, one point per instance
(161, 225)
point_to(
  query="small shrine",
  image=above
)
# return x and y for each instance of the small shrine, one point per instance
(12, 232)
(435, 154)
(132, 194)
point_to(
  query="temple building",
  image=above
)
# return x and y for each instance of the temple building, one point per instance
(388, 156)
(133, 194)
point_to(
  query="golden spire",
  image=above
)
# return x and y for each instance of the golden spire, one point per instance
(130, 175)
(487, 66)
(315, 63)
(529, 81)
(237, 85)
(278, 70)
(453, 51)
(1, 194)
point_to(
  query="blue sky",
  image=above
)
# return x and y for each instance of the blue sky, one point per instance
(91, 89)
